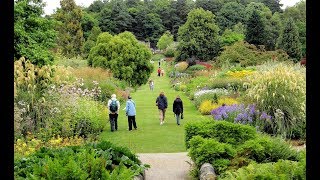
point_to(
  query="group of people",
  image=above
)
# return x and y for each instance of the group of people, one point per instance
(160, 71)
(114, 107)
(161, 103)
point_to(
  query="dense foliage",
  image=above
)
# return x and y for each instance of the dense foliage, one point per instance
(244, 54)
(126, 58)
(70, 36)
(91, 161)
(34, 35)
(289, 40)
(198, 36)
(223, 131)
(231, 159)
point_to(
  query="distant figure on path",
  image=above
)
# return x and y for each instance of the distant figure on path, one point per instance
(162, 72)
(113, 106)
(162, 104)
(131, 113)
(177, 109)
(151, 84)
(159, 71)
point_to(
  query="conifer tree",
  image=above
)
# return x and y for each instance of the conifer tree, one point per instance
(70, 37)
(255, 33)
(289, 40)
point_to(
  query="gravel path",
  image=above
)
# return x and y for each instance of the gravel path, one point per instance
(166, 166)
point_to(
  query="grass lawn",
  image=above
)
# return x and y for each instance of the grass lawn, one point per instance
(150, 136)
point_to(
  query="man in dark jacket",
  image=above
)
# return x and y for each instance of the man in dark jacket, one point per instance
(177, 108)
(162, 104)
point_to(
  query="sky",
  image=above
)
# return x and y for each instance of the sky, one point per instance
(53, 4)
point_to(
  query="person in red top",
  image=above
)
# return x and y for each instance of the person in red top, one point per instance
(159, 71)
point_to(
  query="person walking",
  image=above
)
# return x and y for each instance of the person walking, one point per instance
(159, 71)
(162, 104)
(131, 113)
(178, 109)
(151, 84)
(162, 72)
(113, 106)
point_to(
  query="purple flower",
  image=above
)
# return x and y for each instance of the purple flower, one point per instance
(265, 116)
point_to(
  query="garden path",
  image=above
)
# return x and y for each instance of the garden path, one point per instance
(167, 166)
(162, 147)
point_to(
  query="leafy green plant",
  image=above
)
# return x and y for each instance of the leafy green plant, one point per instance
(246, 54)
(181, 66)
(224, 132)
(91, 161)
(283, 169)
(267, 149)
(210, 150)
(196, 67)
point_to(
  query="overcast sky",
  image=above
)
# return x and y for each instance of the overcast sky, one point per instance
(53, 4)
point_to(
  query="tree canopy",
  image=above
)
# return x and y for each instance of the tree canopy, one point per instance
(34, 35)
(126, 58)
(289, 40)
(70, 36)
(198, 36)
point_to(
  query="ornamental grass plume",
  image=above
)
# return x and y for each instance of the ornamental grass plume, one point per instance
(280, 86)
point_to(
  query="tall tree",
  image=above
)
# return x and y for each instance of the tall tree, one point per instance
(114, 18)
(70, 37)
(33, 35)
(255, 33)
(124, 56)
(198, 36)
(230, 14)
(273, 29)
(153, 28)
(274, 5)
(211, 5)
(165, 40)
(88, 21)
(298, 13)
(91, 41)
(289, 40)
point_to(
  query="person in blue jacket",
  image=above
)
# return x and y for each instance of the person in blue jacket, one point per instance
(131, 113)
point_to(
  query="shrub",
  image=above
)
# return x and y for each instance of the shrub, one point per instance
(196, 67)
(283, 169)
(246, 54)
(169, 52)
(211, 151)
(279, 89)
(228, 83)
(267, 149)
(197, 82)
(181, 66)
(222, 131)
(91, 161)
(90, 117)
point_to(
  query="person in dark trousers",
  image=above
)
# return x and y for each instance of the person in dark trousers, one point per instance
(131, 113)
(177, 108)
(162, 104)
(159, 71)
(113, 106)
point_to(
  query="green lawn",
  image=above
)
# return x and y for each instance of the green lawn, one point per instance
(150, 136)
